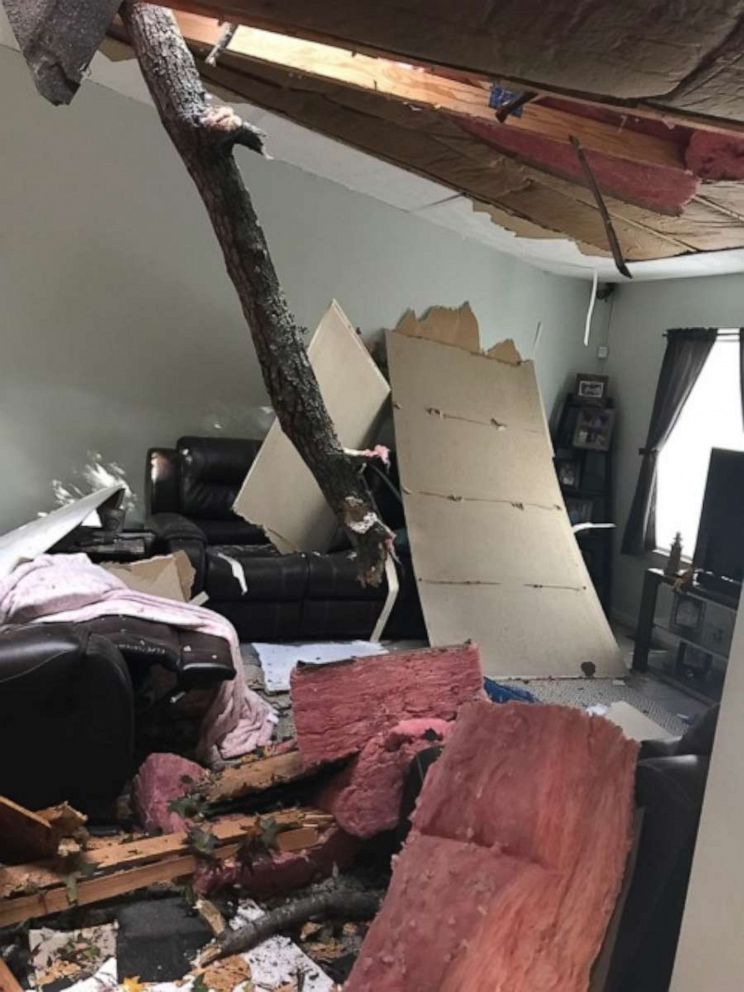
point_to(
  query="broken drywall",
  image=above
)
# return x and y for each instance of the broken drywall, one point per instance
(493, 551)
(633, 50)
(280, 493)
(38, 536)
(167, 576)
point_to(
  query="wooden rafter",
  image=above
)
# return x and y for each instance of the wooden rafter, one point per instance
(285, 19)
(419, 86)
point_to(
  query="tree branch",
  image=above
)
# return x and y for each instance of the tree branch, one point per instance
(205, 136)
(341, 903)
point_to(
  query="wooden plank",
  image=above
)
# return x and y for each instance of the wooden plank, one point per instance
(297, 840)
(129, 853)
(24, 836)
(106, 887)
(8, 981)
(255, 775)
(420, 86)
(166, 869)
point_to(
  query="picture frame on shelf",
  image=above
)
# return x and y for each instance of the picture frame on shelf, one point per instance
(594, 428)
(569, 473)
(687, 616)
(591, 389)
(579, 510)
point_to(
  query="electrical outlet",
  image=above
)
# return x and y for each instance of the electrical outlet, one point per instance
(603, 351)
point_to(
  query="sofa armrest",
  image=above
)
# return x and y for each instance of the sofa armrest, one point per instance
(162, 481)
(174, 532)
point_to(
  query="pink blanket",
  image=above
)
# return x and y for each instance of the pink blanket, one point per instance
(70, 588)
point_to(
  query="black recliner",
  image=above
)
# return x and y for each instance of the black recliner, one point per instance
(268, 596)
(81, 705)
(66, 717)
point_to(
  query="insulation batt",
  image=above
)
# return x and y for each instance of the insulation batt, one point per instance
(160, 779)
(275, 873)
(515, 860)
(365, 797)
(339, 707)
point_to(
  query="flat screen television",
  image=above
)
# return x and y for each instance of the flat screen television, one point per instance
(720, 544)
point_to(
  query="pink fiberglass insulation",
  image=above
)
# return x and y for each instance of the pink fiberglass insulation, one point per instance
(339, 707)
(715, 156)
(655, 187)
(515, 860)
(269, 874)
(162, 778)
(365, 797)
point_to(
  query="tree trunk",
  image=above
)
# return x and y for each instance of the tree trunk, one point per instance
(205, 136)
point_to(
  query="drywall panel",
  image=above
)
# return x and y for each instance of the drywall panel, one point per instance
(39, 535)
(475, 454)
(491, 531)
(494, 555)
(280, 493)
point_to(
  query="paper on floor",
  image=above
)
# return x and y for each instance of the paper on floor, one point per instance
(636, 725)
(74, 955)
(278, 660)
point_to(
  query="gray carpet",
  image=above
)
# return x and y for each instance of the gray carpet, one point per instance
(591, 692)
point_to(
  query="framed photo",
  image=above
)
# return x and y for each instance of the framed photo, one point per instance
(579, 510)
(594, 429)
(568, 473)
(687, 616)
(693, 663)
(591, 389)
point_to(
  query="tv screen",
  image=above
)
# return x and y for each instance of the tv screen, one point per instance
(720, 542)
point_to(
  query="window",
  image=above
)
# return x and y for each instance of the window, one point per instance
(711, 418)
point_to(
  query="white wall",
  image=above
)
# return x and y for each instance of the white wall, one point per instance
(710, 956)
(119, 326)
(641, 312)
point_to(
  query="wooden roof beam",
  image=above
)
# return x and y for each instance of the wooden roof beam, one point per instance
(416, 85)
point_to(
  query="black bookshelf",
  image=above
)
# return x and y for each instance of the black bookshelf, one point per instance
(585, 477)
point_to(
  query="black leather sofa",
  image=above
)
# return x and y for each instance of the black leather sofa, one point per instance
(82, 704)
(190, 490)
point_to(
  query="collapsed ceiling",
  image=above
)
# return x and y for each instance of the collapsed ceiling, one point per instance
(501, 104)
(609, 130)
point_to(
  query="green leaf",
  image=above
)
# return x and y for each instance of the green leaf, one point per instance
(199, 984)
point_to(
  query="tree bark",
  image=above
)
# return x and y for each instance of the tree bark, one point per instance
(340, 903)
(205, 137)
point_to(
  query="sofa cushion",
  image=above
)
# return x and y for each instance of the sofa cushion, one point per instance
(234, 531)
(256, 573)
(212, 472)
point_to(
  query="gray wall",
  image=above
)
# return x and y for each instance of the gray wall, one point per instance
(119, 326)
(640, 314)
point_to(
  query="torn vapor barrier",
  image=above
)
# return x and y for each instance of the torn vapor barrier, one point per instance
(493, 551)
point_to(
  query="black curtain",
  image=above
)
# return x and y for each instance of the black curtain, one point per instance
(686, 352)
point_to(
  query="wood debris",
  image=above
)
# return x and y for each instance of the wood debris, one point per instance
(126, 865)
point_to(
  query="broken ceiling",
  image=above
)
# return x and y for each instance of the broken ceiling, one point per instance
(652, 109)
(486, 101)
